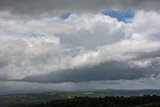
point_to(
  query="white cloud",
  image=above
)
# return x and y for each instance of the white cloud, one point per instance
(41, 46)
(144, 25)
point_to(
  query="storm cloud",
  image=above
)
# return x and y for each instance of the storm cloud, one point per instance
(72, 43)
(106, 71)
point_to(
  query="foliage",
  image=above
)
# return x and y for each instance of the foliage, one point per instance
(108, 101)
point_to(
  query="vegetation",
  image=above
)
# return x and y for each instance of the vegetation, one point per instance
(103, 98)
(108, 101)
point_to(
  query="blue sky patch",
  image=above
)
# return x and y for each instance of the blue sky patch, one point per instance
(65, 15)
(120, 15)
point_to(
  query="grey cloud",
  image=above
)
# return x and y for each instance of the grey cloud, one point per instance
(3, 62)
(154, 37)
(103, 56)
(50, 6)
(9, 87)
(114, 70)
(90, 39)
(153, 55)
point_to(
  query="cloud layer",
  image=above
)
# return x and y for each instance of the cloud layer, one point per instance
(41, 7)
(85, 46)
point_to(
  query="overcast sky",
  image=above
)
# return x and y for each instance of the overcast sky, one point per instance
(68, 45)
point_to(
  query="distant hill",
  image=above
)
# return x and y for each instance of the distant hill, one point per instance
(36, 98)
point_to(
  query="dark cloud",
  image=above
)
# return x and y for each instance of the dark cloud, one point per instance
(142, 56)
(39, 7)
(12, 87)
(3, 63)
(114, 70)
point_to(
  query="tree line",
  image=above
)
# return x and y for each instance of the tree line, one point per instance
(108, 101)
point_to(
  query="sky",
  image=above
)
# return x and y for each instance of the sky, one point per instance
(69, 45)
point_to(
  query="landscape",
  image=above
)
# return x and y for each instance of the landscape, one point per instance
(79, 53)
(103, 98)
